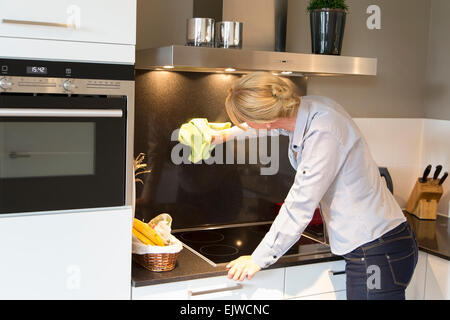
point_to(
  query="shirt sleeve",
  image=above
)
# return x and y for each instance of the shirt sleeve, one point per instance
(237, 133)
(322, 159)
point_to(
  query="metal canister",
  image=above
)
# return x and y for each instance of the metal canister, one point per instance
(229, 34)
(200, 32)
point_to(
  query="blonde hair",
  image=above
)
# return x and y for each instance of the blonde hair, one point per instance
(260, 97)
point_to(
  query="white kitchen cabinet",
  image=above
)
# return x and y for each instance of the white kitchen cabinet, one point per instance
(319, 281)
(266, 285)
(437, 286)
(105, 21)
(314, 279)
(338, 295)
(416, 288)
(100, 31)
(84, 254)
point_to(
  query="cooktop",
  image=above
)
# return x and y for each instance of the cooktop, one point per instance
(223, 245)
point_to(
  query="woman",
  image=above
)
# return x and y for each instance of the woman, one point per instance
(334, 169)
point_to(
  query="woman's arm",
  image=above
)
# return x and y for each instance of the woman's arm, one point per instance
(238, 133)
(322, 158)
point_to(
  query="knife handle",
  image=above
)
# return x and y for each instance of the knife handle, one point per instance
(443, 178)
(437, 172)
(426, 173)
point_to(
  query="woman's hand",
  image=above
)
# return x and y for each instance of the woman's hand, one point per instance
(241, 268)
(219, 137)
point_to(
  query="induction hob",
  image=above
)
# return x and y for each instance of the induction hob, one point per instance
(222, 245)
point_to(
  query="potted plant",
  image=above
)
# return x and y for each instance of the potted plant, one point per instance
(327, 18)
(139, 167)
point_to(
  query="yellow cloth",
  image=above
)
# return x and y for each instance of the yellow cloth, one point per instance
(197, 134)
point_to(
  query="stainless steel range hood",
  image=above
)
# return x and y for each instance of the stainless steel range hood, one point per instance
(199, 59)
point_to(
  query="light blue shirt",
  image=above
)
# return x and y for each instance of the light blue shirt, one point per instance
(336, 170)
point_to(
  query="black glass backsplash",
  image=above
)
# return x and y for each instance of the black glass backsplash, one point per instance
(199, 194)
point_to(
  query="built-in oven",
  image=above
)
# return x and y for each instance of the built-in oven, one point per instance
(65, 135)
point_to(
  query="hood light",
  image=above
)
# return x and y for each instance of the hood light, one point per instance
(286, 73)
(230, 70)
(168, 67)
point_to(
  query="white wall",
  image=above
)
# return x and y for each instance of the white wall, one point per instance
(406, 147)
(256, 35)
(395, 144)
(437, 102)
(162, 22)
(436, 150)
(401, 47)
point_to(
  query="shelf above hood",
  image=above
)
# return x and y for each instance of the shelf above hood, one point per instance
(199, 59)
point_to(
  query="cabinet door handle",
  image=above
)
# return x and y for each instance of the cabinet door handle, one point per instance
(335, 273)
(192, 293)
(37, 23)
(15, 155)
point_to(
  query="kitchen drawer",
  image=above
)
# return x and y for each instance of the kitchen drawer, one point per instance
(105, 21)
(265, 285)
(313, 279)
(416, 288)
(55, 50)
(437, 285)
(338, 295)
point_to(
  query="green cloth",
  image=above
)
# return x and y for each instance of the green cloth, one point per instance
(197, 134)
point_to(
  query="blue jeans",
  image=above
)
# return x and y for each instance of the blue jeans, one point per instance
(383, 268)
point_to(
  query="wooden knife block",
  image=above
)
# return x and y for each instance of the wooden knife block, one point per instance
(424, 199)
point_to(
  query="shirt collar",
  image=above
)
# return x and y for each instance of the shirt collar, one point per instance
(300, 123)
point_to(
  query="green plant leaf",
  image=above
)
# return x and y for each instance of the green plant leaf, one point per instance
(327, 4)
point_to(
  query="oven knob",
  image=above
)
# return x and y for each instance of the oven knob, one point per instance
(5, 83)
(68, 86)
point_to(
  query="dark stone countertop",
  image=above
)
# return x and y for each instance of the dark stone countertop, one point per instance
(433, 237)
(190, 266)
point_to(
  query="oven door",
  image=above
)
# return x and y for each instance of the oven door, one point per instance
(60, 152)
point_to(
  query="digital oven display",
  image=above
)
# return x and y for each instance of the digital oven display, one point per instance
(36, 70)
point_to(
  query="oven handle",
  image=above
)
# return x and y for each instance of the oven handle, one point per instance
(62, 113)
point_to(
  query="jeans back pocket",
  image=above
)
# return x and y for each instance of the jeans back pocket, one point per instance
(402, 266)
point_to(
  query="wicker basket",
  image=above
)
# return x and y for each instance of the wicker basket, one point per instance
(156, 261)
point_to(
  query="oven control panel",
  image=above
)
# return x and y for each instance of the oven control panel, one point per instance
(64, 70)
(36, 76)
(61, 85)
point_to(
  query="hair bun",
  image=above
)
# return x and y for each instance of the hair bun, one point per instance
(279, 91)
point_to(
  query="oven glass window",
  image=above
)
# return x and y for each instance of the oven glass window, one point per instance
(47, 149)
